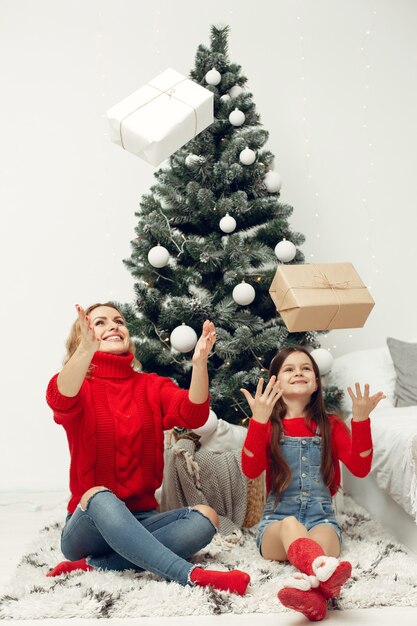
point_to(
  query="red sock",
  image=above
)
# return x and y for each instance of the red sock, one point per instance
(302, 552)
(234, 581)
(69, 566)
(310, 603)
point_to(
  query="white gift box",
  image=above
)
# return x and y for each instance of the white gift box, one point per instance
(157, 119)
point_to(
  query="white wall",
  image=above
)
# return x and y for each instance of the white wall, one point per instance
(68, 195)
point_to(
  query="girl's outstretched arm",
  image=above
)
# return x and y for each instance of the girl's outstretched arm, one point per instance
(362, 405)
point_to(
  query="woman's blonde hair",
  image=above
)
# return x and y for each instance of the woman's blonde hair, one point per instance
(73, 340)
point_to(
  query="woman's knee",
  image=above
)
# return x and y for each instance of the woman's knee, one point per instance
(207, 511)
(85, 498)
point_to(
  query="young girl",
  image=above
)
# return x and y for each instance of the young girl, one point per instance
(114, 418)
(300, 445)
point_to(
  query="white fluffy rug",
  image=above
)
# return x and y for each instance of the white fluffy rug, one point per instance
(383, 575)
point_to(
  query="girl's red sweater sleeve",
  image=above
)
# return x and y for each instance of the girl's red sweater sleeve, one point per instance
(257, 442)
(348, 445)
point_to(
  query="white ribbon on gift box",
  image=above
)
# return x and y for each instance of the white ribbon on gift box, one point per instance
(155, 132)
(170, 92)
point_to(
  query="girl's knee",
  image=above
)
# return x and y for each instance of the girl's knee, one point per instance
(88, 495)
(290, 524)
(207, 511)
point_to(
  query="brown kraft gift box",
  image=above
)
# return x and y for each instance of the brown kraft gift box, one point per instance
(320, 297)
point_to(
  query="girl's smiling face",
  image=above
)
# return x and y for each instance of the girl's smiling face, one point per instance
(110, 328)
(296, 376)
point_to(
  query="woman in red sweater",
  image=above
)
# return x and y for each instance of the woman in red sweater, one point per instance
(114, 418)
(299, 445)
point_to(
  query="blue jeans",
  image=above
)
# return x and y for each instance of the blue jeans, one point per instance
(114, 538)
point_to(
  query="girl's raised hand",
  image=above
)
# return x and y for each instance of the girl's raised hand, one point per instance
(88, 341)
(264, 401)
(205, 343)
(363, 404)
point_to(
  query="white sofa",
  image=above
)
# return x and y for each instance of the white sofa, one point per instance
(389, 492)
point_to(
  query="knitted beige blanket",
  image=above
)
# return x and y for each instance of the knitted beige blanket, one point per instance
(199, 476)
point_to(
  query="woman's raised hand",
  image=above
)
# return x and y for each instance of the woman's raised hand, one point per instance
(264, 401)
(363, 404)
(88, 341)
(205, 343)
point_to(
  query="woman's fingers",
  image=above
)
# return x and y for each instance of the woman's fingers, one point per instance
(208, 328)
(208, 337)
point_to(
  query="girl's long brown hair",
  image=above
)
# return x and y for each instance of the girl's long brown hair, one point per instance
(75, 334)
(315, 412)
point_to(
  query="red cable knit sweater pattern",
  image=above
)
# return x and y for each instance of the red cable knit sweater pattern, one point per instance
(115, 428)
(346, 445)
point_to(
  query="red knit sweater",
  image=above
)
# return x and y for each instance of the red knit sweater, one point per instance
(115, 425)
(346, 445)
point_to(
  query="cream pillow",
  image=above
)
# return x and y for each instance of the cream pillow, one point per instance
(373, 366)
(226, 437)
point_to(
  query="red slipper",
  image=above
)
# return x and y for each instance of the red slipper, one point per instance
(311, 603)
(65, 567)
(331, 587)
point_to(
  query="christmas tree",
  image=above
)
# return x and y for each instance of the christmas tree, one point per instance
(206, 236)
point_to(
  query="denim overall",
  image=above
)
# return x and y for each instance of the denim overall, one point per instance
(307, 497)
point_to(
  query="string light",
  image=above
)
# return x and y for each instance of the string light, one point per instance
(306, 138)
(109, 250)
(157, 29)
(368, 142)
(370, 224)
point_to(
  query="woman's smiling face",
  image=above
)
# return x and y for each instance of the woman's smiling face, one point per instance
(110, 328)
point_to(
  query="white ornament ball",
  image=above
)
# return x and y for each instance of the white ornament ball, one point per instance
(213, 77)
(209, 427)
(183, 338)
(158, 256)
(235, 91)
(237, 117)
(225, 97)
(273, 182)
(243, 294)
(193, 159)
(247, 156)
(285, 251)
(227, 223)
(324, 360)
